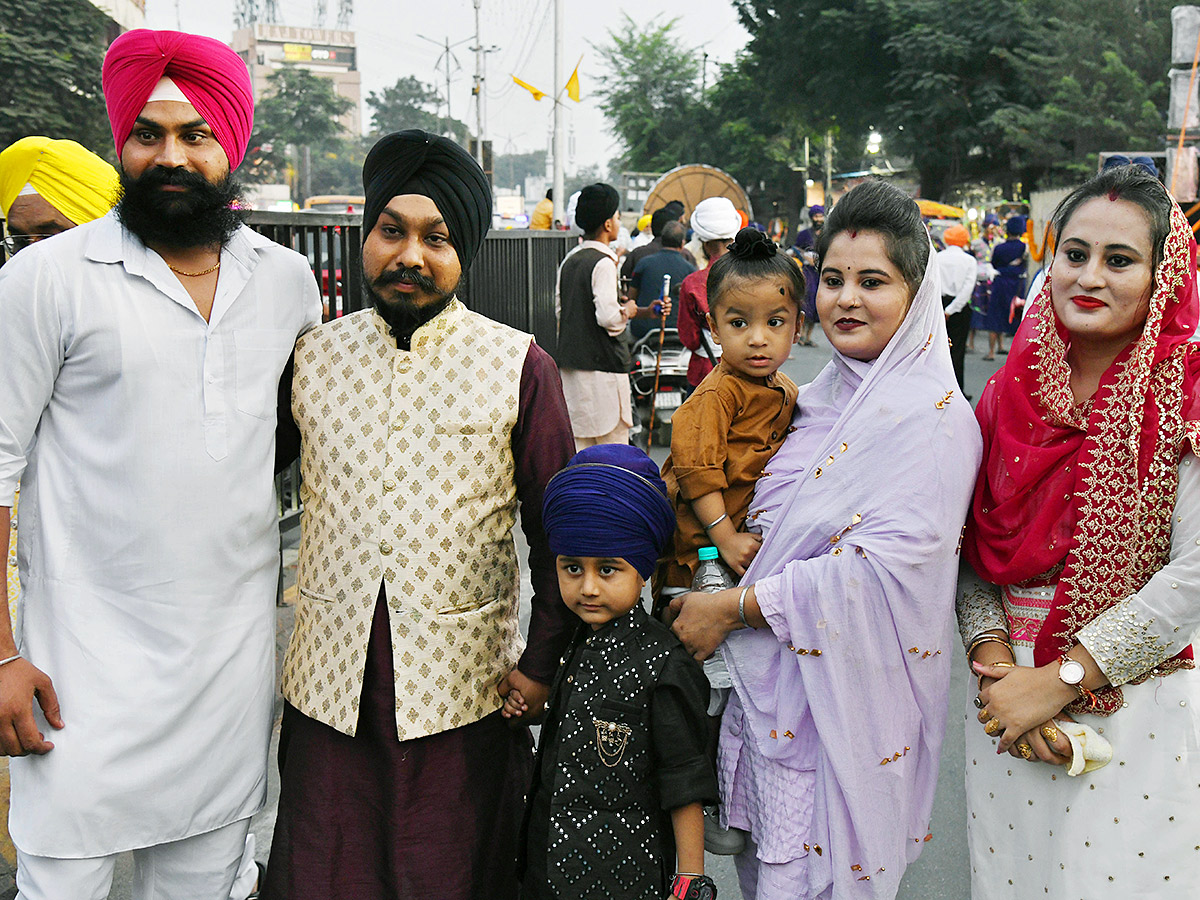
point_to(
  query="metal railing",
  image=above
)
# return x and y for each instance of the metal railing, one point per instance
(511, 280)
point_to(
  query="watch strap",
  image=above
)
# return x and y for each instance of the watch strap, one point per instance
(693, 887)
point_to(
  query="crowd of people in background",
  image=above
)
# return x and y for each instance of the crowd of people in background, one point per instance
(813, 553)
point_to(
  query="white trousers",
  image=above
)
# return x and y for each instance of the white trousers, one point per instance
(202, 867)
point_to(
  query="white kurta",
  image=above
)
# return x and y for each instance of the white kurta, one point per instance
(1132, 828)
(148, 543)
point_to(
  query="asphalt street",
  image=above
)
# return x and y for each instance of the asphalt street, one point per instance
(942, 872)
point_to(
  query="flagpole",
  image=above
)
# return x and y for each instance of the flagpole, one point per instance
(560, 200)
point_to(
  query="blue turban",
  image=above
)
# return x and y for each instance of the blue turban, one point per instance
(991, 219)
(1015, 226)
(609, 501)
(816, 209)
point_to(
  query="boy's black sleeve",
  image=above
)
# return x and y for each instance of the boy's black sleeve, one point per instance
(679, 734)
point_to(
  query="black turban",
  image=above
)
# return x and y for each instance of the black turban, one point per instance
(596, 205)
(416, 162)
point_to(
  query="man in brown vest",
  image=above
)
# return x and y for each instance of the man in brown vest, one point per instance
(424, 426)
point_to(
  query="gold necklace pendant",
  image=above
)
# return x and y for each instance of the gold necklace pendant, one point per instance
(194, 274)
(611, 740)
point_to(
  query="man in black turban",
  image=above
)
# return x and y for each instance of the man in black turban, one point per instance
(432, 187)
(424, 427)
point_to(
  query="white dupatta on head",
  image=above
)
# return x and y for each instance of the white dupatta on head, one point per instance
(856, 578)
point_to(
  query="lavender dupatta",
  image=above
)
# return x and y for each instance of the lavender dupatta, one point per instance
(856, 577)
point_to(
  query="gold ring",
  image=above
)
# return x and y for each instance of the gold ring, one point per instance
(983, 715)
(1050, 733)
(1025, 750)
(992, 728)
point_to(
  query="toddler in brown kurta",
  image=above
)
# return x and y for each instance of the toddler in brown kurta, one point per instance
(726, 432)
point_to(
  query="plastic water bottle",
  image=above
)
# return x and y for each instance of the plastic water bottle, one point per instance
(712, 575)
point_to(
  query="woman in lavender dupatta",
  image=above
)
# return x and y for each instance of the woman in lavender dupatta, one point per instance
(840, 638)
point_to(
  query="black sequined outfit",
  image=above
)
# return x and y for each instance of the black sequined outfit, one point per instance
(623, 744)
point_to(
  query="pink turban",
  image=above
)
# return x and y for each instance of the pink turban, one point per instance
(208, 72)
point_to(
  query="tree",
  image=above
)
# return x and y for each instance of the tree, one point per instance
(649, 93)
(301, 110)
(410, 103)
(1097, 83)
(50, 56)
(511, 169)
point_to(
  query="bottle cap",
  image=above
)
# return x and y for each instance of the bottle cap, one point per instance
(708, 553)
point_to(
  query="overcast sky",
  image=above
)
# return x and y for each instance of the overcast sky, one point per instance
(523, 32)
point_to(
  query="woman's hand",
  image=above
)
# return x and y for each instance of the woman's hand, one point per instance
(702, 621)
(1046, 743)
(1020, 700)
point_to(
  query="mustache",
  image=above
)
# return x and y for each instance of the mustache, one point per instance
(406, 275)
(161, 177)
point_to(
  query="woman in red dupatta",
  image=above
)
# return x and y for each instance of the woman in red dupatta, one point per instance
(1084, 538)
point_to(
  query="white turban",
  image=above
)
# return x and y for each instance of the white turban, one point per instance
(715, 219)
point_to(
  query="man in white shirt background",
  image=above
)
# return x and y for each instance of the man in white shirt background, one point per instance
(144, 352)
(956, 268)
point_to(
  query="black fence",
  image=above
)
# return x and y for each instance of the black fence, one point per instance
(511, 280)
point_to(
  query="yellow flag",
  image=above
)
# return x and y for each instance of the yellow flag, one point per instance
(573, 84)
(537, 95)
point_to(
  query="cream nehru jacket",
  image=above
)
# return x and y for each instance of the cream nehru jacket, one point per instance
(408, 481)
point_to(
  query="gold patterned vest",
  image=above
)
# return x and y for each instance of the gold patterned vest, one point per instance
(408, 480)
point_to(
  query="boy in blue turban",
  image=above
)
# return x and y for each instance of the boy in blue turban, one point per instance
(621, 774)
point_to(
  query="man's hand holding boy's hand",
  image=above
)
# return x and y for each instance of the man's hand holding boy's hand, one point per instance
(524, 698)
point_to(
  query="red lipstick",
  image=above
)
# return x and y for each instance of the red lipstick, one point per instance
(1085, 302)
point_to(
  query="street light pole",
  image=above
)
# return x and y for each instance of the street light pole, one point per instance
(560, 201)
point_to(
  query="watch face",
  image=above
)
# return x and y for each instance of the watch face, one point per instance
(706, 892)
(1071, 671)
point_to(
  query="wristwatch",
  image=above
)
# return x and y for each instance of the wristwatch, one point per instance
(693, 887)
(1070, 671)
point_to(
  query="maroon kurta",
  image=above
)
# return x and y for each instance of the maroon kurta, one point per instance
(371, 817)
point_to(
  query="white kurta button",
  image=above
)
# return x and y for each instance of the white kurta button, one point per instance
(385, 548)
(389, 485)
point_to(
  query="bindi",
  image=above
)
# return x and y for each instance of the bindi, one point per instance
(853, 235)
(1114, 195)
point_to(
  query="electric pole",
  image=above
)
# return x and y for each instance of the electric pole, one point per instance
(478, 48)
(560, 201)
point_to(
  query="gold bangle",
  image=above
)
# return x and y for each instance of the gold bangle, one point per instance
(989, 639)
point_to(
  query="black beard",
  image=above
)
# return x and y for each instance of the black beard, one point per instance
(202, 216)
(402, 315)
(817, 226)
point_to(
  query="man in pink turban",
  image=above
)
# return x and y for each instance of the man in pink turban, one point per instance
(136, 700)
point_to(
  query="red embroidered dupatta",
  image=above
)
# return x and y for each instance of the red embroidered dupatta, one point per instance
(1086, 493)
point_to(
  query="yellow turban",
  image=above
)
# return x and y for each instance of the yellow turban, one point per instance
(644, 222)
(71, 178)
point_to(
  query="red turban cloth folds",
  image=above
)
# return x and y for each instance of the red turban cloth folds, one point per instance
(208, 72)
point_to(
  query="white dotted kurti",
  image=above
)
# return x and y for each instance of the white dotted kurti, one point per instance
(1132, 828)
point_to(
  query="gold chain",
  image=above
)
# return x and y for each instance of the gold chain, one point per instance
(194, 274)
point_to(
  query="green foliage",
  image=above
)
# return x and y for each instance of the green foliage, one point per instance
(50, 57)
(996, 90)
(410, 103)
(1097, 83)
(649, 92)
(301, 109)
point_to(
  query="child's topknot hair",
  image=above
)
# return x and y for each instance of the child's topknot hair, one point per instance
(752, 256)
